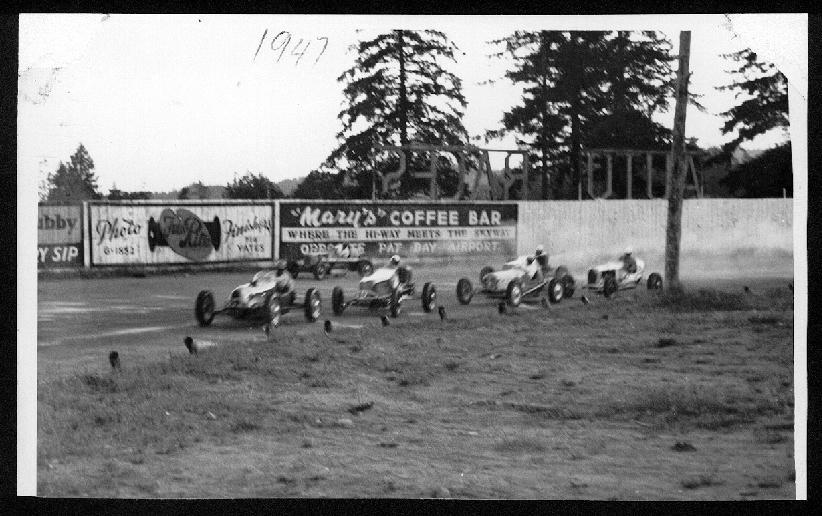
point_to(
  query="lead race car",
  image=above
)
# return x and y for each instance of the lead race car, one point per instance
(610, 277)
(386, 287)
(268, 296)
(521, 279)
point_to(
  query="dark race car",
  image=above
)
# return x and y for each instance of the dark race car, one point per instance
(266, 297)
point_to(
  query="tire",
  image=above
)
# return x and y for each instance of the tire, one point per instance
(320, 270)
(395, 304)
(485, 270)
(568, 285)
(204, 308)
(561, 271)
(293, 269)
(429, 297)
(313, 305)
(610, 287)
(337, 301)
(274, 310)
(364, 268)
(465, 291)
(655, 281)
(513, 294)
(556, 290)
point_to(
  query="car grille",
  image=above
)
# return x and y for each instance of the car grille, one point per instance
(592, 276)
(235, 294)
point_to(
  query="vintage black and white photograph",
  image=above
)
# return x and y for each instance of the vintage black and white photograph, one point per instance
(414, 257)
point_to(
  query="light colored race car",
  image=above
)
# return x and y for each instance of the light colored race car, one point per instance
(525, 278)
(386, 287)
(267, 296)
(610, 277)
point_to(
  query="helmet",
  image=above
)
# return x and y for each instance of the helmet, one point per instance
(395, 260)
(539, 250)
(629, 250)
(279, 264)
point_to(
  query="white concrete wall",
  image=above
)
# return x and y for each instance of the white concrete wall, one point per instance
(726, 234)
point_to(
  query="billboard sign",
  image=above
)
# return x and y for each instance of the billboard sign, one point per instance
(412, 230)
(157, 234)
(59, 236)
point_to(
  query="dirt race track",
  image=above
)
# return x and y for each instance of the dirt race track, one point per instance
(639, 397)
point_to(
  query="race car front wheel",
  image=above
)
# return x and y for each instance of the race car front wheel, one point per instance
(514, 293)
(395, 303)
(337, 301)
(204, 307)
(429, 297)
(364, 268)
(312, 305)
(464, 291)
(610, 287)
(274, 311)
(320, 270)
(555, 290)
(654, 281)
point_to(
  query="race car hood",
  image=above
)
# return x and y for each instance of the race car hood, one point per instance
(507, 274)
(381, 274)
(263, 281)
(616, 264)
(515, 269)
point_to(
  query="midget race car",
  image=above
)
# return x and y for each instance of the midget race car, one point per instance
(385, 287)
(518, 280)
(610, 277)
(267, 297)
(336, 256)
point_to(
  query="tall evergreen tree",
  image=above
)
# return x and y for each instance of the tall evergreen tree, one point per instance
(765, 108)
(586, 88)
(396, 93)
(74, 180)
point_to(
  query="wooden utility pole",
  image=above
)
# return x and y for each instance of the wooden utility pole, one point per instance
(673, 232)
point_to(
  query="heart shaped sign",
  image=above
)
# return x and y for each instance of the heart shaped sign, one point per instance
(186, 234)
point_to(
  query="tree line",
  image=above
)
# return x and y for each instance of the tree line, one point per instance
(580, 89)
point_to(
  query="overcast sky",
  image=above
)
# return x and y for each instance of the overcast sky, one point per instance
(161, 101)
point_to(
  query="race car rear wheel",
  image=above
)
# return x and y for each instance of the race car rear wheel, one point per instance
(395, 303)
(609, 288)
(274, 311)
(312, 305)
(464, 291)
(364, 268)
(556, 290)
(485, 270)
(513, 293)
(337, 301)
(654, 281)
(320, 270)
(429, 297)
(204, 307)
(293, 269)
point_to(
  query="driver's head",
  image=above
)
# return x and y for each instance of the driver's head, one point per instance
(395, 260)
(628, 251)
(280, 266)
(539, 250)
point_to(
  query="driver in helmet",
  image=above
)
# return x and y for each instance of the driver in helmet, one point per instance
(542, 261)
(628, 261)
(284, 281)
(394, 261)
